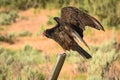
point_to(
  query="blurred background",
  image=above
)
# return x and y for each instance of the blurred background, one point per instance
(25, 55)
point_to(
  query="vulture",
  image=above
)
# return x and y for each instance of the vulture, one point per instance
(68, 31)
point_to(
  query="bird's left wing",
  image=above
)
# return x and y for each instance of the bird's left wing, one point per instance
(80, 19)
(76, 36)
(84, 19)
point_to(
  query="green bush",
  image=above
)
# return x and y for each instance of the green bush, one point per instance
(7, 18)
(21, 64)
(102, 58)
(25, 4)
(24, 33)
(41, 29)
(7, 38)
(11, 37)
(50, 20)
(106, 10)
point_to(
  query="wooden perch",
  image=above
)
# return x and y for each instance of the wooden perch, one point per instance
(56, 70)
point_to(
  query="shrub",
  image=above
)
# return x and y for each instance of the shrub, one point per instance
(50, 21)
(24, 33)
(106, 10)
(102, 58)
(7, 38)
(21, 64)
(41, 29)
(7, 18)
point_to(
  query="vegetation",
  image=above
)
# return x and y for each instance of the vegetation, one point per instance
(103, 57)
(8, 17)
(24, 63)
(41, 29)
(97, 68)
(11, 37)
(24, 33)
(7, 38)
(18, 64)
(51, 21)
(106, 10)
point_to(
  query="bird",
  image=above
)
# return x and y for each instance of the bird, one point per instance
(68, 32)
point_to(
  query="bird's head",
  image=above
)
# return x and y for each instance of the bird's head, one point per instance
(47, 33)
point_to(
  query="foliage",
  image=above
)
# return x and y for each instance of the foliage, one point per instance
(22, 64)
(11, 37)
(24, 33)
(41, 29)
(72, 57)
(98, 67)
(25, 4)
(18, 64)
(106, 10)
(7, 38)
(103, 56)
(50, 20)
(8, 17)
(80, 77)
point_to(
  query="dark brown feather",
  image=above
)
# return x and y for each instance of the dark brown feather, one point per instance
(74, 16)
(70, 27)
(63, 36)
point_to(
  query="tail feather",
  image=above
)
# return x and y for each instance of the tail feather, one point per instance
(82, 52)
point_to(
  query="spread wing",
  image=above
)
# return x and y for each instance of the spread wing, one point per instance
(80, 19)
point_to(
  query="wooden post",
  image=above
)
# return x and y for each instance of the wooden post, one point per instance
(56, 70)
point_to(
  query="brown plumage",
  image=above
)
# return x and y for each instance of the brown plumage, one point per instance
(69, 29)
(74, 16)
(64, 36)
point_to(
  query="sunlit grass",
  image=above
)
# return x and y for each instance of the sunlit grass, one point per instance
(19, 64)
(80, 77)
(103, 56)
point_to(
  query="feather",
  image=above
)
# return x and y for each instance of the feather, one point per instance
(77, 38)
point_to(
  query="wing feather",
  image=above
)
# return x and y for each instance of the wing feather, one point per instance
(79, 18)
(75, 36)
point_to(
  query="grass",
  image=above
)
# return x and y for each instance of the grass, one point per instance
(7, 18)
(104, 55)
(24, 33)
(80, 77)
(7, 38)
(11, 37)
(51, 21)
(41, 29)
(72, 57)
(19, 34)
(20, 64)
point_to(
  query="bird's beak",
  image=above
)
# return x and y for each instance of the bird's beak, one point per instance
(42, 35)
